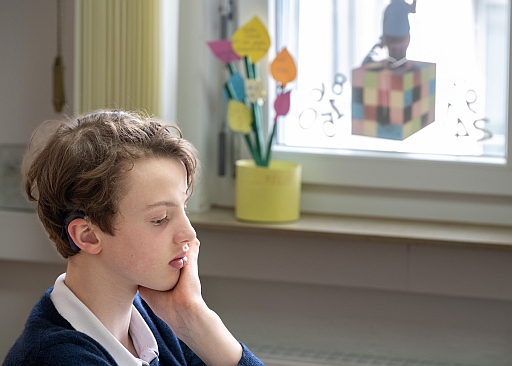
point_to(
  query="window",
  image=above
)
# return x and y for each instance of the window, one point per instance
(464, 178)
(466, 40)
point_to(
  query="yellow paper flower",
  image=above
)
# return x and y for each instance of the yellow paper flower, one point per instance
(251, 40)
(239, 117)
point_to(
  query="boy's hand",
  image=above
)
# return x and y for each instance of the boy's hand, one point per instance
(184, 297)
(186, 313)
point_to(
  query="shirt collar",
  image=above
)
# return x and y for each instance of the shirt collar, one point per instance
(83, 320)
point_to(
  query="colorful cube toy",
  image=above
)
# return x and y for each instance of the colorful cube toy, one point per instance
(393, 103)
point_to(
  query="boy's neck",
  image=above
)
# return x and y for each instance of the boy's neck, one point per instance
(109, 302)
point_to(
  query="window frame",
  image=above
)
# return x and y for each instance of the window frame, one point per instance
(444, 174)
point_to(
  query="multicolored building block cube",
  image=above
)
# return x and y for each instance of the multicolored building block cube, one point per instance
(393, 103)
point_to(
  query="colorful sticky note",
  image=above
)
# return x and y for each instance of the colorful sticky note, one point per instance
(236, 87)
(223, 51)
(282, 105)
(283, 68)
(254, 90)
(239, 117)
(251, 40)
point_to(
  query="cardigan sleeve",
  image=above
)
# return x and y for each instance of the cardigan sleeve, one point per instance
(248, 358)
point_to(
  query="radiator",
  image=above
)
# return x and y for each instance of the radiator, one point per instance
(279, 356)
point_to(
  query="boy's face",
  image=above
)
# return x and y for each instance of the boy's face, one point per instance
(152, 230)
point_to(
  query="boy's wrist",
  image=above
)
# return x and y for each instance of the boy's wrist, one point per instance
(205, 333)
(186, 318)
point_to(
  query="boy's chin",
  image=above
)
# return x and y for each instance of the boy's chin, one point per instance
(172, 283)
(162, 287)
(172, 286)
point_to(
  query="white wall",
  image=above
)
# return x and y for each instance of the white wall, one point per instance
(28, 45)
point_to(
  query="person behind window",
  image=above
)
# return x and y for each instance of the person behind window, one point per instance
(111, 189)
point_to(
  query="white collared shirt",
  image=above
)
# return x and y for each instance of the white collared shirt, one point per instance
(83, 320)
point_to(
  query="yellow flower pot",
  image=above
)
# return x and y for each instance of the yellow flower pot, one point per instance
(269, 194)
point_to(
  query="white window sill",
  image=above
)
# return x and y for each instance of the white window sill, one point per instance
(377, 230)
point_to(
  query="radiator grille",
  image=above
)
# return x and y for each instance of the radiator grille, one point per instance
(279, 356)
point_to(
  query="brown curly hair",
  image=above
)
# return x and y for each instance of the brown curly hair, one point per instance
(82, 166)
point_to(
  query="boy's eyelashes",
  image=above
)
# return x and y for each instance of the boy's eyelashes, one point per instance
(160, 221)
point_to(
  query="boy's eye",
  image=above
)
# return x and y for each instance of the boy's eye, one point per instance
(159, 221)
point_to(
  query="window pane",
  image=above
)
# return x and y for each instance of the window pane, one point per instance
(467, 40)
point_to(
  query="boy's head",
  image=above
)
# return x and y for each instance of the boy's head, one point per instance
(82, 166)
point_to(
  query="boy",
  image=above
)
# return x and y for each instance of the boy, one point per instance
(111, 189)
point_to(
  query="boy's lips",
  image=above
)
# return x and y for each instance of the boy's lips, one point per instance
(180, 261)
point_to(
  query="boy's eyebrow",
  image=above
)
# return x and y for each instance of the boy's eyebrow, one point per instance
(160, 203)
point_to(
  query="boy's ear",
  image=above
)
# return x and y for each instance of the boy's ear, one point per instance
(84, 236)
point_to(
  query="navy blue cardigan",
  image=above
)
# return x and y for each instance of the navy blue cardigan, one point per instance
(49, 339)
